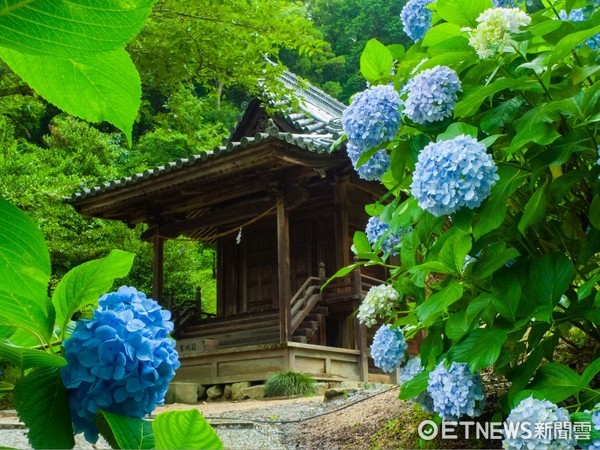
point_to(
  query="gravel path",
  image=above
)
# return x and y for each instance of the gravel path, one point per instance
(284, 424)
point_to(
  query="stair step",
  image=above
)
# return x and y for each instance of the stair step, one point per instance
(309, 324)
(304, 332)
(314, 317)
(223, 326)
(301, 339)
(250, 334)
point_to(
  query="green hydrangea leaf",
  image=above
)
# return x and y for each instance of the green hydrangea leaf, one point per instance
(376, 61)
(86, 283)
(70, 28)
(102, 87)
(42, 403)
(24, 274)
(125, 432)
(184, 429)
(26, 358)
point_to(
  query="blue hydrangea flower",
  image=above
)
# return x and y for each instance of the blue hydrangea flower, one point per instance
(452, 174)
(510, 3)
(388, 348)
(373, 117)
(579, 15)
(526, 415)
(375, 230)
(431, 95)
(598, 161)
(416, 19)
(455, 391)
(410, 370)
(374, 168)
(594, 444)
(121, 360)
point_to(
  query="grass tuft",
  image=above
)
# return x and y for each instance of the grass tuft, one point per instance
(286, 384)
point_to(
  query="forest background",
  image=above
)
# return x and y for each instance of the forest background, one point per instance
(193, 91)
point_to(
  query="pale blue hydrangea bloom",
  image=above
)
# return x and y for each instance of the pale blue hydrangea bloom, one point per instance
(379, 301)
(375, 230)
(455, 391)
(373, 117)
(416, 19)
(452, 174)
(431, 95)
(388, 348)
(579, 15)
(527, 414)
(410, 370)
(510, 3)
(595, 443)
(374, 168)
(121, 360)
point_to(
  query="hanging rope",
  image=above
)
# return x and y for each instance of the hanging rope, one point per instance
(237, 229)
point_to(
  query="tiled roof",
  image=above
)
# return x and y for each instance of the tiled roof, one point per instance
(318, 124)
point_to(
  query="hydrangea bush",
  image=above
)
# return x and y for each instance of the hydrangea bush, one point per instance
(497, 201)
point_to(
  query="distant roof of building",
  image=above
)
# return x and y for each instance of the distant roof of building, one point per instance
(312, 128)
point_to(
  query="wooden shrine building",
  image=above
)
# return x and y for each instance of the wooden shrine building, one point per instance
(298, 206)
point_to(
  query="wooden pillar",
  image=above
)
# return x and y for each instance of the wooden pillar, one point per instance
(342, 225)
(283, 271)
(363, 362)
(157, 269)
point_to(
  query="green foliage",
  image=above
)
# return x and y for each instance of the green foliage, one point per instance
(184, 429)
(86, 283)
(82, 46)
(500, 286)
(43, 405)
(286, 384)
(125, 432)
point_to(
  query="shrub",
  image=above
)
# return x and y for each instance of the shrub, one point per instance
(285, 384)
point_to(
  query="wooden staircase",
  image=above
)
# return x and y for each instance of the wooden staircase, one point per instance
(240, 330)
(308, 319)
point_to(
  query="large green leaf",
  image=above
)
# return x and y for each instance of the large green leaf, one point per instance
(455, 251)
(35, 316)
(86, 283)
(495, 256)
(439, 301)
(24, 256)
(125, 432)
(42, 403)
(26, 358)
(184, 429)
(414, 386)
(494, 209)
(556, 382)
(589, 373)
(594, 213)
(550, 276)
(569, 42)
(470, 104)
(462, 12)
(535, 209)
(70, 28)
(479, 349)
(101, 87)
(507, 294)
(376, 61)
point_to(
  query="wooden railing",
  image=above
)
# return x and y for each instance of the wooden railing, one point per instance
(353, 287)
(304, 300)
(186, 312)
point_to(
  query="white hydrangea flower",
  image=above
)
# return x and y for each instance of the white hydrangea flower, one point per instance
(492, 34)
(379, 301)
